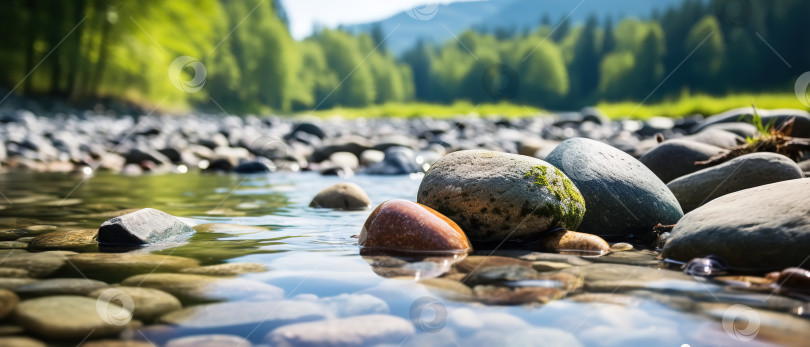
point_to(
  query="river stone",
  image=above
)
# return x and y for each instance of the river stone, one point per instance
(716, 137)
(38, 265)
(342, 196)
(64, 317)
(198, 288)
(14, 283)
(213, 340)
(675, 158)
(7, 272)
(572, 241)
(494, 196)
(60, 286)
(747, 171)
(744, 130)
(353, 331)
(403, 227)
(348, 305)
(70, 240)
(623, 196)
(145, 226)
(767, 227)
(8, 301)
(13, 245)
(228, 269)
(242, 318)
(114, 267)
(149, 303)
(120, 343)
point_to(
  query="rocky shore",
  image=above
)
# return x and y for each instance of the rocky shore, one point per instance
(519, 211)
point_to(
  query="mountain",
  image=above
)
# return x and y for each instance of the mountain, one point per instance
(441, 23)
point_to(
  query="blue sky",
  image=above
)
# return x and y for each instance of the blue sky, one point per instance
(304, 13)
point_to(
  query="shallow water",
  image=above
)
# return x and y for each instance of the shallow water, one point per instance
(312, 251)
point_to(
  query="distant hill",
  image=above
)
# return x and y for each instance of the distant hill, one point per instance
(452, 19)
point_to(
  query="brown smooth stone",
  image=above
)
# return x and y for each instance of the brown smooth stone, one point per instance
(496, 295)
(565, 240)
(74, 239)
(794, 277)
(406, 227)
(8, 301)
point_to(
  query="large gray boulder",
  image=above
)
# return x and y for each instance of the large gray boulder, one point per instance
(748, 171)
(675, 158)
(762, 228)
(146, 226)
(494, 195)
(622, 195)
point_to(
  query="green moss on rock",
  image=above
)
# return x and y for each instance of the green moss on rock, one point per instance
(570, 205)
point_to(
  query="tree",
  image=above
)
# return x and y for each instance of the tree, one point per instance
(706, 40)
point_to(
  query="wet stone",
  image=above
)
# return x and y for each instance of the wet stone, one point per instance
(342, 196)
(572, 241)
(499, 295)
(14, 283)
(145, 226)
(65, 317)
(475, 262)
(354, 331)
(20, 341)
(13, 245)
(209, 341)
(149, 303)
(8, 301)
(84, 239)
(114, 267)
(118, 343)
(448, 288)
(37, 264)
(199, 289)
(228, 269)
(403, 227)
(60, 286)
(348, 305)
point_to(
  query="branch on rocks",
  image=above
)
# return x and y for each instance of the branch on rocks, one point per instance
(777, 141)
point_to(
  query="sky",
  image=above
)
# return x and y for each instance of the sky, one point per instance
(331, 13)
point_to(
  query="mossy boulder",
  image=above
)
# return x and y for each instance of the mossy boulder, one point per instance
(493, 196)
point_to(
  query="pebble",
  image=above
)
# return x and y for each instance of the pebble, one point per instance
(65, 317)
(228, 269)
(38, 265)
(13, 245)
(498, 295)
(118, 343)
(60, 286)
(8, 301)
(148, 303)
(716, 137)
(747, 171)
(114, 267)
(571, 241)
(20, 341)
(621, 247)
(475, 262)
(84, 239)
(401, 226)
(794, 278)
(494, 195)
(13, 283)
(675, 158)
(348, 305)
(353, 331)
(146, 226)
(8, 272)
(342, 196)
(621, 194)
(198, 288)
(740, 228)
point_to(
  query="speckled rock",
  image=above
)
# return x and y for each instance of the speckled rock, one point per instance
(494, 195)
(747, 171)
(675, 158)
(148, 303)
(402, 227)
(60, 286)
(622, 195)
(65, 317)
(354, 331)
(741, 227)
(70, 240)
(8, 301)
(342, 196)
(145, 226)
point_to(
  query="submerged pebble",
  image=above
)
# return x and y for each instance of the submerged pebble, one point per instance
(69, 240)
(342, 196)
(400, 226)
(68, 317)
(353, 331)
(567, 241)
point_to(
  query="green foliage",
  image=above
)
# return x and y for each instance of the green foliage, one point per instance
(756, 120)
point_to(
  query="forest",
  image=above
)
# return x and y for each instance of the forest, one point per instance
(87, 50)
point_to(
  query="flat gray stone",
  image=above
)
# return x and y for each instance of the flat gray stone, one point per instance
(354, 331)
(767, 227)
(146, 226)
(747, 171)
